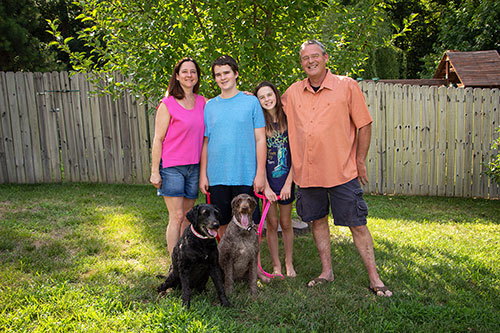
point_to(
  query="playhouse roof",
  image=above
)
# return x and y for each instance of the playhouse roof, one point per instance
(470, 69)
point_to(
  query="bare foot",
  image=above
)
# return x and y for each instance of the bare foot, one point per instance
(290, 272)
(262, 277)
(381, 291)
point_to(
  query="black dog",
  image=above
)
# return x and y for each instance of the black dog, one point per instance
(195, 257)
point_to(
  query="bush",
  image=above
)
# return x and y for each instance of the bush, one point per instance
(493, 168)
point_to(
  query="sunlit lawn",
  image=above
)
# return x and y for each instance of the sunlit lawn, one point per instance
(79, 257)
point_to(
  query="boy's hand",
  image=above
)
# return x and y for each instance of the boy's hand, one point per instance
(204, 184)
(259, 183)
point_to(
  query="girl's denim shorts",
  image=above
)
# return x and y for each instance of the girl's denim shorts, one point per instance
(180, 181)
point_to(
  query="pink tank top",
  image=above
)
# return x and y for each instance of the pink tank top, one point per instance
(184, 139)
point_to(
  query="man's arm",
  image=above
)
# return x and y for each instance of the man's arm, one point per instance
(204, 184)
(364, 136)
(259, 181)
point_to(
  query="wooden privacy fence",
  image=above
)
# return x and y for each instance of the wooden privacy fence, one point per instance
(431, 140)
(425, 140)
(53, 130)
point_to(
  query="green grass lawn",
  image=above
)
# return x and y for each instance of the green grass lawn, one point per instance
(77, 257)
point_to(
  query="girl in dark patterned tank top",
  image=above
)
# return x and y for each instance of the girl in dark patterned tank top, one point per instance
(279, 177)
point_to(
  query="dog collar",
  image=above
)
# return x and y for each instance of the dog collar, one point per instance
(197, 234)
(250, 227)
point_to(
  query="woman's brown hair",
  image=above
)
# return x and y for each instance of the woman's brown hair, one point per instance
(280, 114)
(174, 87)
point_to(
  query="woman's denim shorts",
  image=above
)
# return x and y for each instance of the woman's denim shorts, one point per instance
(180, 181)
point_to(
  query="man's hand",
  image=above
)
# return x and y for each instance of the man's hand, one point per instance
(362, 174)
(155, 179)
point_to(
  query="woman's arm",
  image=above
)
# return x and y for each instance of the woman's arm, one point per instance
(162, 120)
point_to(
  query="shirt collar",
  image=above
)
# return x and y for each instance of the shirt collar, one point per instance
(328, 83)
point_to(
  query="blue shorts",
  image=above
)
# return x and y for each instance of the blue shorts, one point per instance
(180, 181)
(346, 202)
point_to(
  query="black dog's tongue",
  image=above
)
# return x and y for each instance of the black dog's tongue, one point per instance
(212, 232)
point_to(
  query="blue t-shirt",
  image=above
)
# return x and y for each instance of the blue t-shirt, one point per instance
(229, 127)
(278, 161)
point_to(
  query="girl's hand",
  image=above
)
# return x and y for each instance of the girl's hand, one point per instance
(269, 194)
(286, 192)
(155, 179)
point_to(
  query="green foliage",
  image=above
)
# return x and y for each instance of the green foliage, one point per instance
(493, 167)
(24, 42)
(354, 31)
(144, 39)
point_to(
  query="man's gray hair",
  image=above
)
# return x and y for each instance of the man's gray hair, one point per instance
(313, 42)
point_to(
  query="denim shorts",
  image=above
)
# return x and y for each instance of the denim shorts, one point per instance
(346, 202)
(180, 181)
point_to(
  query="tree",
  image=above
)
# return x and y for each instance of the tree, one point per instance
(142, 40)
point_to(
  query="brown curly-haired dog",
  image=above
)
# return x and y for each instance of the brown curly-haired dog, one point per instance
(239, 246)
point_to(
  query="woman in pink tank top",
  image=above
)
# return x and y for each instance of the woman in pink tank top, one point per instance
(178, 138)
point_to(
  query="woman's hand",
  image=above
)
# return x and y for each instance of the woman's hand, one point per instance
(155, 179)
(204, 184)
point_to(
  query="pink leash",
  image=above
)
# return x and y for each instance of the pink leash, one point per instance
(261, 224)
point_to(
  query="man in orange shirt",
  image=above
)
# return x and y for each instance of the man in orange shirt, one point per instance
(329, 129)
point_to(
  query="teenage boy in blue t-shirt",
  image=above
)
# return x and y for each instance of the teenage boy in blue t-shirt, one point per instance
(234, 148)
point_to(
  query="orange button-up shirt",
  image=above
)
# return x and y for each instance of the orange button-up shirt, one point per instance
(322, 128)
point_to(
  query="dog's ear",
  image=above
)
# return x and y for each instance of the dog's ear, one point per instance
(235, 203)
(253, 203)
(217, 213)
(192, 215)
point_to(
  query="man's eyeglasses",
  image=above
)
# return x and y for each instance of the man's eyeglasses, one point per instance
(312, 57)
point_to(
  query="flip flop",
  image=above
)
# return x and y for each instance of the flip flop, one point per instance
(317, 281)
(382, 289)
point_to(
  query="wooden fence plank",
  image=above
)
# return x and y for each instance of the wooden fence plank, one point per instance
(494, 191)
(390, 142)
(399, 149)
(441, 152)
(450, 138)
(468, 143)
(98, 136)
(381, 138)
(42, 110)
(371, 159)
(79, 82)
(407, 139)
(134, 124)
(485, 139)
(415, 126)
(124, 129)
(16, 127)
(62, 112)
(7, 165)
(107, 134)
(477, 144)
(75, 97)
(34, 127)
(433, 107)
(24, 128)
(425, 127)
(459, 142)
(144, 140)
